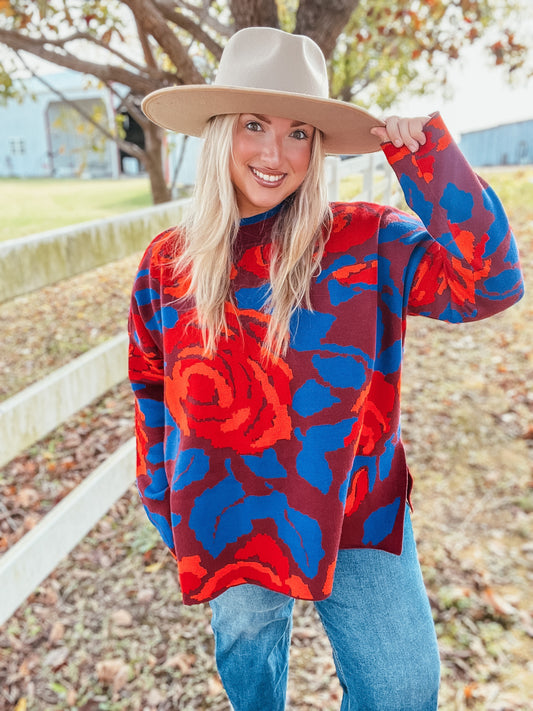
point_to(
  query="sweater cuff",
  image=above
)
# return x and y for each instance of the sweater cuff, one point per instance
(438, 138)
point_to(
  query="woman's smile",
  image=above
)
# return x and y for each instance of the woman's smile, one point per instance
(267, 177)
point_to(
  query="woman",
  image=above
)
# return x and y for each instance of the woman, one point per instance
(266, 347)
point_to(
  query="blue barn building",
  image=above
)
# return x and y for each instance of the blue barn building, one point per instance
(508, 144)
(44, 136)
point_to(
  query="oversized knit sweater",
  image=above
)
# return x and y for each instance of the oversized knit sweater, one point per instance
(258, 471)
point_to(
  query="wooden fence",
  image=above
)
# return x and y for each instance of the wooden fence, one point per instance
(39, 409)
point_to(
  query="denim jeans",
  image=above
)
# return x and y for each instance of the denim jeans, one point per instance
(378, 621)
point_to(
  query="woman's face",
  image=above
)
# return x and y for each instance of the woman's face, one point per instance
(270, 160)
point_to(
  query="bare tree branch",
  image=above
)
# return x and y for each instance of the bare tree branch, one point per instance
(153, 22)
(202, 13)
(171, 13)
(145, 45)
(94, 40)
(106, 72)
(131, 103)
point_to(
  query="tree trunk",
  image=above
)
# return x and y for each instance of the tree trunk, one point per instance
(324, 21)
(153, 162)
(254, 13)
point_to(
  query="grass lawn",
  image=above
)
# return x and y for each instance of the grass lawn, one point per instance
(514, 187)
(37, 205)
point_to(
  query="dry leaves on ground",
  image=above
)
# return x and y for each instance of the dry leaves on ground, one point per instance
(106, 631)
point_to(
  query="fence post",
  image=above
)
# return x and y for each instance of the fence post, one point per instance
(368, 179)
(332, 164)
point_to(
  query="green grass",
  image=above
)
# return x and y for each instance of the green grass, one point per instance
(513, 185)
(37, 205)
(350, 187)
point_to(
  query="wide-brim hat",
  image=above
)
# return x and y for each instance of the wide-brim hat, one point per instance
(267, 71)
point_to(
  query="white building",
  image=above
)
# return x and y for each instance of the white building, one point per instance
(44, 135)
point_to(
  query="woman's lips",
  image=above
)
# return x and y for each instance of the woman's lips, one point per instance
(270, 179)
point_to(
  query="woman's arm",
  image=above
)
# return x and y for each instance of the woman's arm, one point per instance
(467, 265)
(147, 378)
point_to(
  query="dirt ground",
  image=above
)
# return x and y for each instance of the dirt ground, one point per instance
(107, 632)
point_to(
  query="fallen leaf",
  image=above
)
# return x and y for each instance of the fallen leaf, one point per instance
(56, 658)
(214, 686)
(72, 697)
(113, 672)
(145, 595)
(154, 697)
(469, 690)
(183, 662)
(108, 669)
(57, 632)
(48, 596)
(121, 679)
(304, 632)
(30, 521)
(27, 497)
(499, 604)
(122, 618)
(154, 567)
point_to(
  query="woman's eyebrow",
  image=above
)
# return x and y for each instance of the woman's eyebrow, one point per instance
(294, 124)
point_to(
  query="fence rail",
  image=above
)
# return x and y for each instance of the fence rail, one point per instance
(40, 408)
(33, 262)
(37, 554)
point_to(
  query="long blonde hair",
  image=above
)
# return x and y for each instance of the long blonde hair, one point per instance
(206, 236)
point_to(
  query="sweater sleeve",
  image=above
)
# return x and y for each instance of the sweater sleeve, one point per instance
(147, 379)
(466, 266)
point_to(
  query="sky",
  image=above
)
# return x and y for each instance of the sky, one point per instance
(482, 97)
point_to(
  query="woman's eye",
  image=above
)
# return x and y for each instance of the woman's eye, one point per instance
(299, 134)
(253, 126)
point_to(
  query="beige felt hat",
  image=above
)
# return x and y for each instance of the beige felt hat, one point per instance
(267, 71)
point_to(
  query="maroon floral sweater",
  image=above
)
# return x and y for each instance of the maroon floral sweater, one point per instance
(256, 471)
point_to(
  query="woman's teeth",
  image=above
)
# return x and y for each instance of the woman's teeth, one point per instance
(267, 178)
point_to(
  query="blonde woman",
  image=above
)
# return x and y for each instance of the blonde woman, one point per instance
(266, 348)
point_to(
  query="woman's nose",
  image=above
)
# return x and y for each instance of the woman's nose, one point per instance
(272, 152)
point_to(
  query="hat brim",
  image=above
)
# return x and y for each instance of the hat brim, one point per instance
(187, 109)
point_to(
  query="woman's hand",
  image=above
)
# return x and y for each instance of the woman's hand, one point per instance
(403, 131)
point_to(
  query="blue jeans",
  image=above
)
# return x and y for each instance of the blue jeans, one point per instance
(378, 621)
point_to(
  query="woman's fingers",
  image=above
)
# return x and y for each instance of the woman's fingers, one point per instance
(403, 131)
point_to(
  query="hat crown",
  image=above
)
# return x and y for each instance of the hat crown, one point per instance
(266, 58)
(267, 71)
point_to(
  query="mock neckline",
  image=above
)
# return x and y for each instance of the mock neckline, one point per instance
(254, 219)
